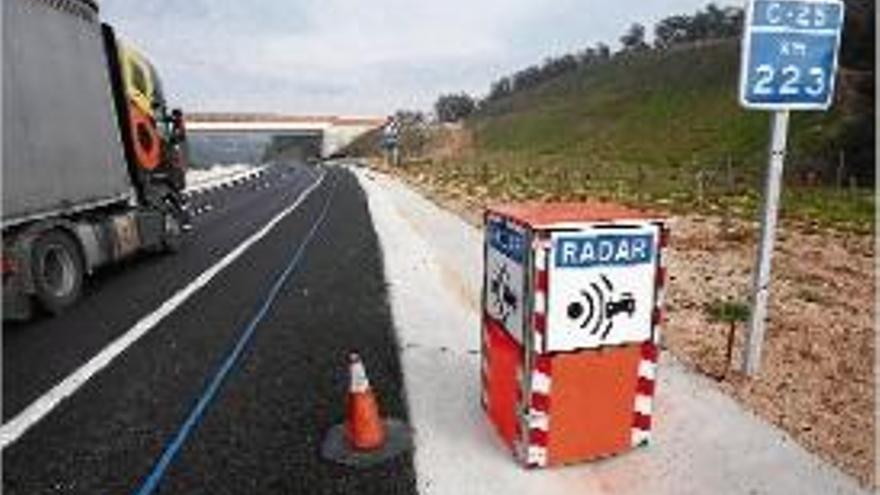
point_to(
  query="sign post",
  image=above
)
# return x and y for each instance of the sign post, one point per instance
(789, 62)
(390, 141)
(761, 289)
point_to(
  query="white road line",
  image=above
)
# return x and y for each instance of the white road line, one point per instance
(13, 429)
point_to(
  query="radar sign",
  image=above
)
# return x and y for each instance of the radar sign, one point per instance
(602, 287)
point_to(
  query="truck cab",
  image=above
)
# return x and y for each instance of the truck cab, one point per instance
(93, 160)
(154, 135)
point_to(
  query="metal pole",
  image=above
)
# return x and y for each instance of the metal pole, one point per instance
(758, 324)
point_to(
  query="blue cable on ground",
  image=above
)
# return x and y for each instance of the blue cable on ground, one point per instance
(152, 481)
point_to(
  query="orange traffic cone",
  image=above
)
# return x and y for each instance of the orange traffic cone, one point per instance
(364, 438)
(363, 425)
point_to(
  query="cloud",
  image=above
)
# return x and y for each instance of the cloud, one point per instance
(348, 56)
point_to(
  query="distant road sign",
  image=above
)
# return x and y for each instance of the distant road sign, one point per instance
(789, 54)
(390, 134)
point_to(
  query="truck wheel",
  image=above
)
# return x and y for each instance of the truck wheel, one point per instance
(57, 271)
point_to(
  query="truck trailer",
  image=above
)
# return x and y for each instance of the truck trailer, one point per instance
(93, 159)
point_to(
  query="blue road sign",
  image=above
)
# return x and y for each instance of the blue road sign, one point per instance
(789, 54)
(604, 250)
(390, 134)
(507, 240)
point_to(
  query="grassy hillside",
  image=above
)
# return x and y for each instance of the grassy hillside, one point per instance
(655, 127)
(654, 108)
(659, 128)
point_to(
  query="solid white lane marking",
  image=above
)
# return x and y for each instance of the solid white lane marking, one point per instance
(13, 429)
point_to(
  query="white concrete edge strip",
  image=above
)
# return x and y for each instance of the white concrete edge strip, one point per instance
(13, 429)
(224, 178)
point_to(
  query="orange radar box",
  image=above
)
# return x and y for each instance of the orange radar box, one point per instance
(572, 297)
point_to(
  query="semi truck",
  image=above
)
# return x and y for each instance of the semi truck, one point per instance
(93, 159)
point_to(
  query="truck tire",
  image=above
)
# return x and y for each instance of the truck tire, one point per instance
(57, 270)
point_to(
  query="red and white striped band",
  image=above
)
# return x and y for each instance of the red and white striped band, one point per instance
(534, 438)
(643, 407)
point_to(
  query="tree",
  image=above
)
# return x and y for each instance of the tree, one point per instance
(527, 78)
(557, 66)
(500, 88)
(672, 30)
(859, 34)
(454, 107)
(716, 20)
(711, 23)
(587, 57)
(733, 22)
(412, 134)
(409, 117)
(634, 38)
(603, 52)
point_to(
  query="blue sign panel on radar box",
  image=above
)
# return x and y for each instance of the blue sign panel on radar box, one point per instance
(507, 240)
(789, 56)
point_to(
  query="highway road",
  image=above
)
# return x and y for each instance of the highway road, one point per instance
(220, 369)
(237, 376)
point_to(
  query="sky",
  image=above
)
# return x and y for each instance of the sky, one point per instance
(359, 57)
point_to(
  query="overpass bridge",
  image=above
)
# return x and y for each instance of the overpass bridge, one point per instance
(329, 133)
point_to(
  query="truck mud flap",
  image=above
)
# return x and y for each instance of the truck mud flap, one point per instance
(151, 225)
(17, 304)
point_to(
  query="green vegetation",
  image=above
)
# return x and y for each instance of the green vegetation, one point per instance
(656, 127)
(672, 109)
(730, 312)
(454, 107)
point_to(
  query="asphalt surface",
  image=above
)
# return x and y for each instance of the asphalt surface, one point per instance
(39, 353)
(262, 431)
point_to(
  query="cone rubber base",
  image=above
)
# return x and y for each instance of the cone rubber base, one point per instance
(336, 448)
